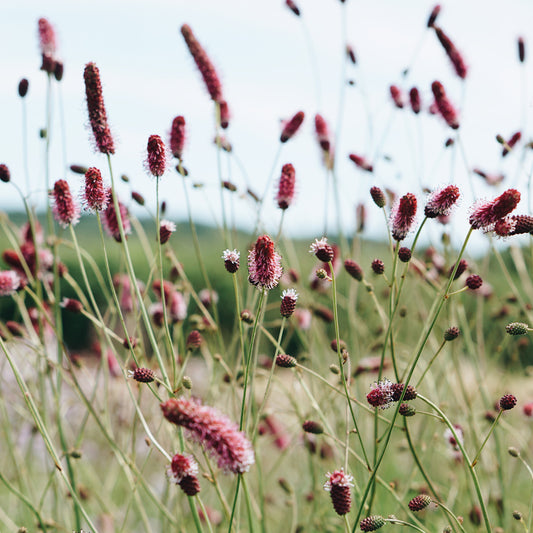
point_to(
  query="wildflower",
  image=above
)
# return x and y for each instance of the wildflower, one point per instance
(96, 197)
(444, 106)
(419, 502)
(290, 127)
(96, 108)
(404, 254)
(285, 361)
(322, 133)
(397, 390)
(59, 69)
(378, 196)
(9, 282)
(521, 224)
(338, 485)
(110, 219)
(183, 471)
(407, 410)
(293, 7)
(208, 297)
(414, 99)
(247, 316)
(451, 334)
(378, 267)
(142, 375)
(23, 87)
(66, 211)
(473, 282)
(213, 430)
(231, 260)
(461, 269)
(5, 175)
(322, 250)
(156, 158)
(353, 269)
(112, 364)
(224, 114)
(402, 216)
(455, 56)
(166, 229)
(72, 305)
(47, 37)
(527, 409)
(194, 340)
(485, 214)
(372, 523)
(177, 137)
(310, 426)
(206, 68)
(381, 394)
(440, 202)
(288, 302)
(361, 162)
(521, 50)
(285, 194)
(264, 264)
(433, 16)
(397, 96)
(507, 402)
(508, 145)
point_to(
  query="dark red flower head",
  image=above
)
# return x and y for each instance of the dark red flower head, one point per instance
(66, 211)
(287, 181)
(441, 202)
(291, 126)
(156, 157)
(455, 56)
(444, 106)
(177, 137)
(95, 196)
(402, 216)
(264, 264)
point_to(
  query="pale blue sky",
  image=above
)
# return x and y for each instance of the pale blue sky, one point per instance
(260, 50)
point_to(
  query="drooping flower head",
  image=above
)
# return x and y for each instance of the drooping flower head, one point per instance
(9, 282)
(110, 219)
(96, 109)
(95, 196)
(402, 216)
(451, 50)
(287, 181)
(66, 211)
(166, 229)
(290, 127)
(177, 137)
(156, 156)
(484, 214)
(444, 106)
(440, 202)
(215, 431)
(204, 64)
(338, 485)
(264, 264)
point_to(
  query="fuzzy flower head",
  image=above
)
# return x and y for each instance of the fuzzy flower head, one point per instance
(9, 282)
(290, 127)
(441, 202)
(338, 485)
(381, 394)
(485, 214)
(264, 264)
(47, 38)
(402, 216)
(287, 181)
(166, 229)
(181, 466)
(156, 157)
(95, 196)
(444, 106)
(177, 137)
(288, 302)
(322, 250)
(231, 260)
(110, 219)
(215, 431)
(66, 211)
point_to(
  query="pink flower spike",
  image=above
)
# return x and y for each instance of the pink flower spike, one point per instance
(338, 485)
(156, 158)
(95, 196)
(291, 127)
(511, 143)
(361, 162)
(181, 466)
(177, 137)
(264, 264)
(322, 133)
(440, 202)
(217, 434)
(287, 181)
(397, 96)
(455, 56)
(66, 211)
(381, 394)
(414, 99)
(9, 282)
(402, 216)
(166, 229)
(485, 214)
(444, 106)
(47, 38)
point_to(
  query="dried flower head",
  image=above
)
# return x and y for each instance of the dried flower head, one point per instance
(290, 127)
(381, 394)
(397, 390)
(451, 334)
(96, 109)
(404, 254)
(23, 87)
(287, 181)
(214, 431)
(402, 216)
(338, 485)
(264, 264)
(288, 302)
(521, 50)
(310, 426)
(444, 106)
(9, 282)
(407, 410)
(66, 211)
(177, 137)
(194, 340)
(440, 202)
(95, 196)
(473, 282)
(285, 361)
(204, 64)
(156, 157)
(231, 260)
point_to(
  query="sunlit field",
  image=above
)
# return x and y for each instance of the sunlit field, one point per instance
(161, 374)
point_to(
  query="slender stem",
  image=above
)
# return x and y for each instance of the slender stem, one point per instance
(475, 460)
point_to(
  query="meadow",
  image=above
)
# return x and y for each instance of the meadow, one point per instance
(161, 375)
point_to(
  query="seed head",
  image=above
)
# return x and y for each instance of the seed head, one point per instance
(156, 157)
(310, 426)
(96, 109)
(507, 402)
(461, 268)
(177, 137)
(285, 194)
(231, 260)
(291, 126)
(402, 216)
(206, 68)
(353, 269)
(444, 106)
(288, 302)
(95, 196)
(521, 50)
(322, 250)
(440, 202)
(264, 264)
(66, 211)
(217, 434)
(372, 523)
(473, 282)
(381, 394)
(419, 502)
(338, 485)
(285, 361)
(451, 333)
(9, 282)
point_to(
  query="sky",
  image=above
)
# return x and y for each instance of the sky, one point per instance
(273, 64)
